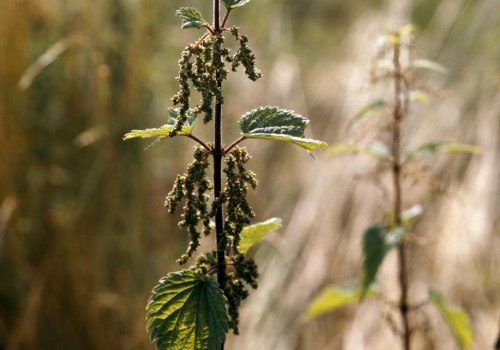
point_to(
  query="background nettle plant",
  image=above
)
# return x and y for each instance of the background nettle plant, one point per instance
(396, 64)
(190, 309)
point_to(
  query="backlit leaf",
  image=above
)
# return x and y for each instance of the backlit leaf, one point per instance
(442, 148)
(163, 131)
(456, 319)
(191, 18)
(335, 297)
(273, 123)
(253, 234)
(187, 311)
(231, 4)
(378, 240)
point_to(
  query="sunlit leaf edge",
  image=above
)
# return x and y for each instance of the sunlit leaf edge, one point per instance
(308, 144)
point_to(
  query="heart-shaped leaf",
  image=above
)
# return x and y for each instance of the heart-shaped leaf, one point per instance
(187, 311)
(274, 123)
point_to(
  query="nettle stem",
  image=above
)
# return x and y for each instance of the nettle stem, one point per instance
(217, 155)
(396, 171)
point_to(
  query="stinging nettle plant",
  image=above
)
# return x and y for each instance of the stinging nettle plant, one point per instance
(196, 307)
(394, 64)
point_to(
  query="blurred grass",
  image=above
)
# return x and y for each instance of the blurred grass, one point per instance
(83, 232)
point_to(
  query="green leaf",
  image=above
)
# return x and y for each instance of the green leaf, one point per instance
(376, 149)
(231, 4)
(430, 65)
(163, 131)
(187, 311)
(253, 234)
(456, 318)
(369, 111)
(191, 18)
(334, 297)
(378, 240)
(273, 123)
(442, 148)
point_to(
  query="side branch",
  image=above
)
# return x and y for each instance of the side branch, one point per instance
(203, 144)
(223, 24)
(231, 146)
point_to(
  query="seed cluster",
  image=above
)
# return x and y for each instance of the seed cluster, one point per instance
(192, 187)
(202, 66)
(238, 215)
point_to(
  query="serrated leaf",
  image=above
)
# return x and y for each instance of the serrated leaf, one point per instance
(187, 311)
(442, 148)
(456, 319)
(191, 18)
(273, 123)
(378, 240)
(231, 4)
(164, 130)
(376, 149)
(335, 297)
(369, 111)
(253, 234)
(430, 65)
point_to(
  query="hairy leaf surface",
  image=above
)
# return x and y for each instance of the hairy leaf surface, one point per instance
(335, 297)
(187, 311)
(433, 148)
(191, 18)
(273, 123)
(378, 240)
(253, 234)
(456, 318)
(164, 130)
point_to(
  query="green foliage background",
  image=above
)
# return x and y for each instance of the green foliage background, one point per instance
(83, 232)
